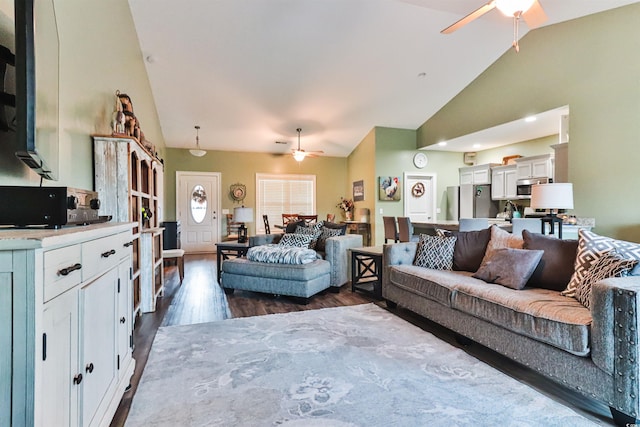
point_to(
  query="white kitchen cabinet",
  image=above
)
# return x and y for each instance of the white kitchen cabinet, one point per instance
(534, 167)
(480, 174)
(71, 359)
(503, 182)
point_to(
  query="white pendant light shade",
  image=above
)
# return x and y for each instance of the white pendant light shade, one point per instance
(197, 151)
(299, 155)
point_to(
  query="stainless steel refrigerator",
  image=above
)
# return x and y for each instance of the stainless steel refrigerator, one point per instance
(475, 202)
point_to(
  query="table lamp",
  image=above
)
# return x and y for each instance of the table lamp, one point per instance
(242, 215)
(554, 197)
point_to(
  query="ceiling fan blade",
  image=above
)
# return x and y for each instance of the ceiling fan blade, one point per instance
(535, 16)
(470, 17)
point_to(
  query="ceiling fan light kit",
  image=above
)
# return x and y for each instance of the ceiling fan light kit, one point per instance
(197, 151)
(299, 154)
(529, 10)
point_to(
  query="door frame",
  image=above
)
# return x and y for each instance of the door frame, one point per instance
(215, 203)
(434, 191)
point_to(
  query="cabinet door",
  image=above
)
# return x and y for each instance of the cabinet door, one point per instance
(510, 183)
(466, 177)
(524, 170)
(482, 176)
(124, 309)
(540, 168)
(59, 362)
(497, 185)
(98, 335)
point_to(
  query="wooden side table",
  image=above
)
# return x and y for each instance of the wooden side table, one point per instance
(366, 270)
(229, 250)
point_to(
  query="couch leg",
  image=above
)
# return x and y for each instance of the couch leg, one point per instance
(334, 289)
(623, 420)
(301, 300)
(228, 291)
(391, 304)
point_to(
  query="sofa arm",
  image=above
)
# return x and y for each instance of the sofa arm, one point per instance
(337, 253)
(264, 239)
(614, 342)
(396, 254)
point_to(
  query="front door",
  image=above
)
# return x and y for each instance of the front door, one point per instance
(197, 207)
(420, 197)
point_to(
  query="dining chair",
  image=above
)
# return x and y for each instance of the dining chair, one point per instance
(390, 229)
(287, 218)
(308, 219)
(472, 224)
(265, 219)
(533, 225)
(405, 230)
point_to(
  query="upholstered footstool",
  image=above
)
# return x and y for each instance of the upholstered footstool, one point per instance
(296, 280)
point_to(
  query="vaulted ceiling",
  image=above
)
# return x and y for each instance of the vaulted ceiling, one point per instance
(249, 72)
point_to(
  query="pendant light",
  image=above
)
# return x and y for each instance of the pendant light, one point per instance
(197, 151)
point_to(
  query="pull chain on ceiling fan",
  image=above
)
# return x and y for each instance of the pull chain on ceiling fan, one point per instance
(529, 10)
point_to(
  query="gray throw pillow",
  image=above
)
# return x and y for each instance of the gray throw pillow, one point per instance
(557, 264)
(509, 267)
(324, 235)
(609, 264)
(470, 248)
(292, 239)
(435, 252)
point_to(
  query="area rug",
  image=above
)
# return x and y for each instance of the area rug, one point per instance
(346, 366)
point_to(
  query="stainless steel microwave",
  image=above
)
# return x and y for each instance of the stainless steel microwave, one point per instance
(523, 186)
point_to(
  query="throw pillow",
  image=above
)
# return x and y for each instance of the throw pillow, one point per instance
(557, 264)
(291, 227)
(435, 252)
(471, 247)
(309, 231)
(610, 264)
(341, 227)
(509, 267)
(292, 239)
(591, 247)
(501, 239)
(324, 235)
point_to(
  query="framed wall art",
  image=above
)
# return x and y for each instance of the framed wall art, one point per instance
(358, 191)
(389, 188)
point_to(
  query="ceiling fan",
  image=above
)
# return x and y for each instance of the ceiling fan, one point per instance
(529, 10)
(300, 154)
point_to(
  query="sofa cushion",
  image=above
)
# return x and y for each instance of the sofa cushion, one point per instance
(591, 247)
(509, 267)
(557, 264)
(297, 272)
(608, 265)
(293, 239)
(436, 285)
(541, 314)
(435, 252)
(281, 254)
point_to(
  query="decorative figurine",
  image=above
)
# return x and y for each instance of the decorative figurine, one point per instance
(118, 116)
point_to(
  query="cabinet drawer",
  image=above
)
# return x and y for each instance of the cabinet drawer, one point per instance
(100, 255)
(62, 270)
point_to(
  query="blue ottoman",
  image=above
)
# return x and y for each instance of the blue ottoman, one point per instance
(296, 280)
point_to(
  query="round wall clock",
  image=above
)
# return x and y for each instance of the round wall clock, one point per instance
(238, 192)
(420, 160)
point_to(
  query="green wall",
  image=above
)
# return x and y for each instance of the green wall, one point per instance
(590, 64)
(99, 54)
(532, 147)
(241, 167)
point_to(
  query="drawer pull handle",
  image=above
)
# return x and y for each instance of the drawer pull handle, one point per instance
(77, 379)
(67, 270)
(108, 253)
(126, 245)
(89, 368)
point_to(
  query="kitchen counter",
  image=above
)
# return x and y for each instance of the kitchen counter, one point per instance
(452, 225)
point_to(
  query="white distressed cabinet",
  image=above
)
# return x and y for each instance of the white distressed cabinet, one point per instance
(503, 182)
(129, 180)
(70, 326)
(535, 167)
(479, 174)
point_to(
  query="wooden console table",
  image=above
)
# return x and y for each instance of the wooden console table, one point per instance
(358, 227)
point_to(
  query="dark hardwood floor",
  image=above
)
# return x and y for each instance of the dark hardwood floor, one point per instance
(200, 299)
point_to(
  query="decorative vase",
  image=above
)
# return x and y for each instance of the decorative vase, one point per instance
(348, 215)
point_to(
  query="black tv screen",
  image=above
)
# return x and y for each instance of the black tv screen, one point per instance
(37, 86)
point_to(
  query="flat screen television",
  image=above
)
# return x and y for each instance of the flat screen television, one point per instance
(37, 86)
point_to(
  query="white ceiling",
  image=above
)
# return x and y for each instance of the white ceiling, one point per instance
(250, 72)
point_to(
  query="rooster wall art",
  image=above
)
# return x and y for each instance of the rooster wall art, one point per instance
(389, 188)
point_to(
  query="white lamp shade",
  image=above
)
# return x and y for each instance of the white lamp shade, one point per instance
(552, 196)
(299, 155)
(243, 214)
(510, 7)
(197, 153)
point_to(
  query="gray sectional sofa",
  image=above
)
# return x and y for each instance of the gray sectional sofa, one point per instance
(593, 351)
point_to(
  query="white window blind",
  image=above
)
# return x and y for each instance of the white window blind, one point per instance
(278, 194)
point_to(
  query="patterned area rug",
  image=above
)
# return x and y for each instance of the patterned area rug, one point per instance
(346, 366)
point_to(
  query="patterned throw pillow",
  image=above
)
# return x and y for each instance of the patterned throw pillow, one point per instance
(292, 239)
(324, 235)
(310, 231)
(435, 252)
(591, 247)
(610, 264)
